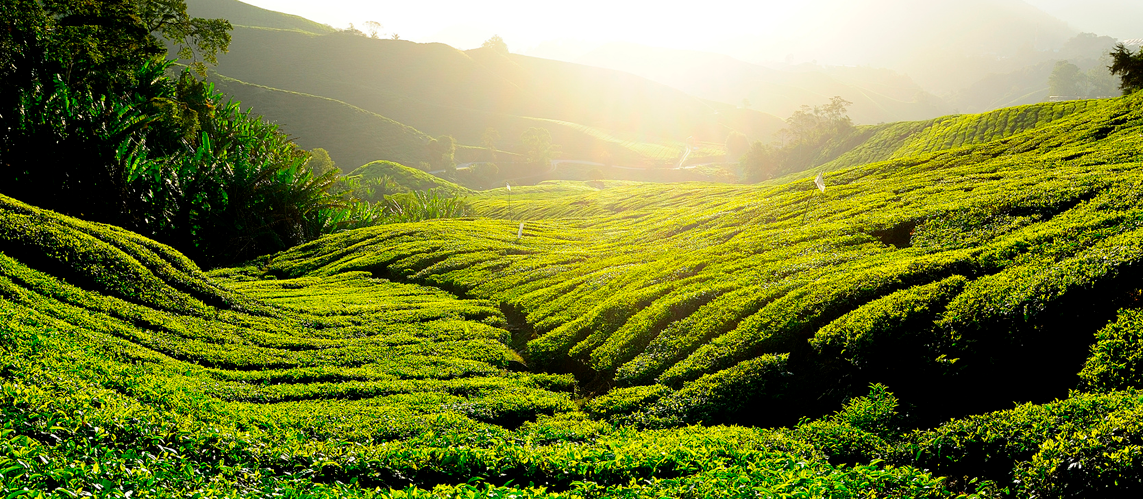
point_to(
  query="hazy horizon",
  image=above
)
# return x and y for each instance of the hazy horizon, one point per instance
(767, 31)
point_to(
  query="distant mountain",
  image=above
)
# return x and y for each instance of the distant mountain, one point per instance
(878, 95)
(1122, 19)
(943, 45)
(1029, 84)
(244, 14)
(353, 136)
(591, 113)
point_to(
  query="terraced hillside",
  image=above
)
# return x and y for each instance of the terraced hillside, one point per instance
(127, 372)
(589, 353)
(716, 293)
(874, 143)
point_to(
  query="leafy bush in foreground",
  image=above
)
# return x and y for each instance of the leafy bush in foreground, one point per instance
(859, 432)
(1116, 361)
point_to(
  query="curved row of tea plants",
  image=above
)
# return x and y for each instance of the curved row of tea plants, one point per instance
(127, 372)
(963, 279)
(873, 143)
(957, 282)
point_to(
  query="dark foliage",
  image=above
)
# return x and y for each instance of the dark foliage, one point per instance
(91, 125)
(1129, 67)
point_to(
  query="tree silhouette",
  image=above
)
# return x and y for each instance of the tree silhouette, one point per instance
(537, 146)
(496, 43)
(488, 140)
(1066, 80)
(1129, 67)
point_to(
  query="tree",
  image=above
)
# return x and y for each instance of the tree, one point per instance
(195, 37)
(1066, 80)
(761, 162)
(441, 151)
(538, 149)
(807, 132)
(736, 145)
(320, 162)
(372, 27)
(1101, 83)
(496, 43)
(488, 140)
(486, 172)
(812, 125)
(91, 125)
(1129, 67)
(98, 44)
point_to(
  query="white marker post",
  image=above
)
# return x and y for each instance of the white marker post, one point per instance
(509, 187)
(520, 231)
(819, 181)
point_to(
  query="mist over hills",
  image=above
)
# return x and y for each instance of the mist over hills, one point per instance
(1122, 19)
(943, 45)
(878, 95)
(591, 113)
(895, 60)
(633, 104)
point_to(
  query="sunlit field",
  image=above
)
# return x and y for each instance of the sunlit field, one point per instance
(245, 253)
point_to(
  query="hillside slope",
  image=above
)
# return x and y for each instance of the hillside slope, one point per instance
(875, 143)
(594, 348)
(714, 292)
(127, 372)
(244, 14)
(353, 136)
(440, 90)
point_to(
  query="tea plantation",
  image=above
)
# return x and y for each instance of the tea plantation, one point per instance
(963, 320)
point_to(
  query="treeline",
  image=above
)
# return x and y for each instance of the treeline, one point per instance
(95, 122)
(807, 132)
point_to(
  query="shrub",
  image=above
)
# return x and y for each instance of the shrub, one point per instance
(1116, 360)
(859, 432)
(621, 401)
(1101, 459)
(992, 446)
(752, 390)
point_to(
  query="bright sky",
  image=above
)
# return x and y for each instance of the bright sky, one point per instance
(696, 24)
(525, 24)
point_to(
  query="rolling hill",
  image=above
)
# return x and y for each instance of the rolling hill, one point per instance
(690, 286)
(353, 136)
(873, 143)
(639, 340)
(244, 14)
(407, 179)
(591, 113)
(440, 90)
